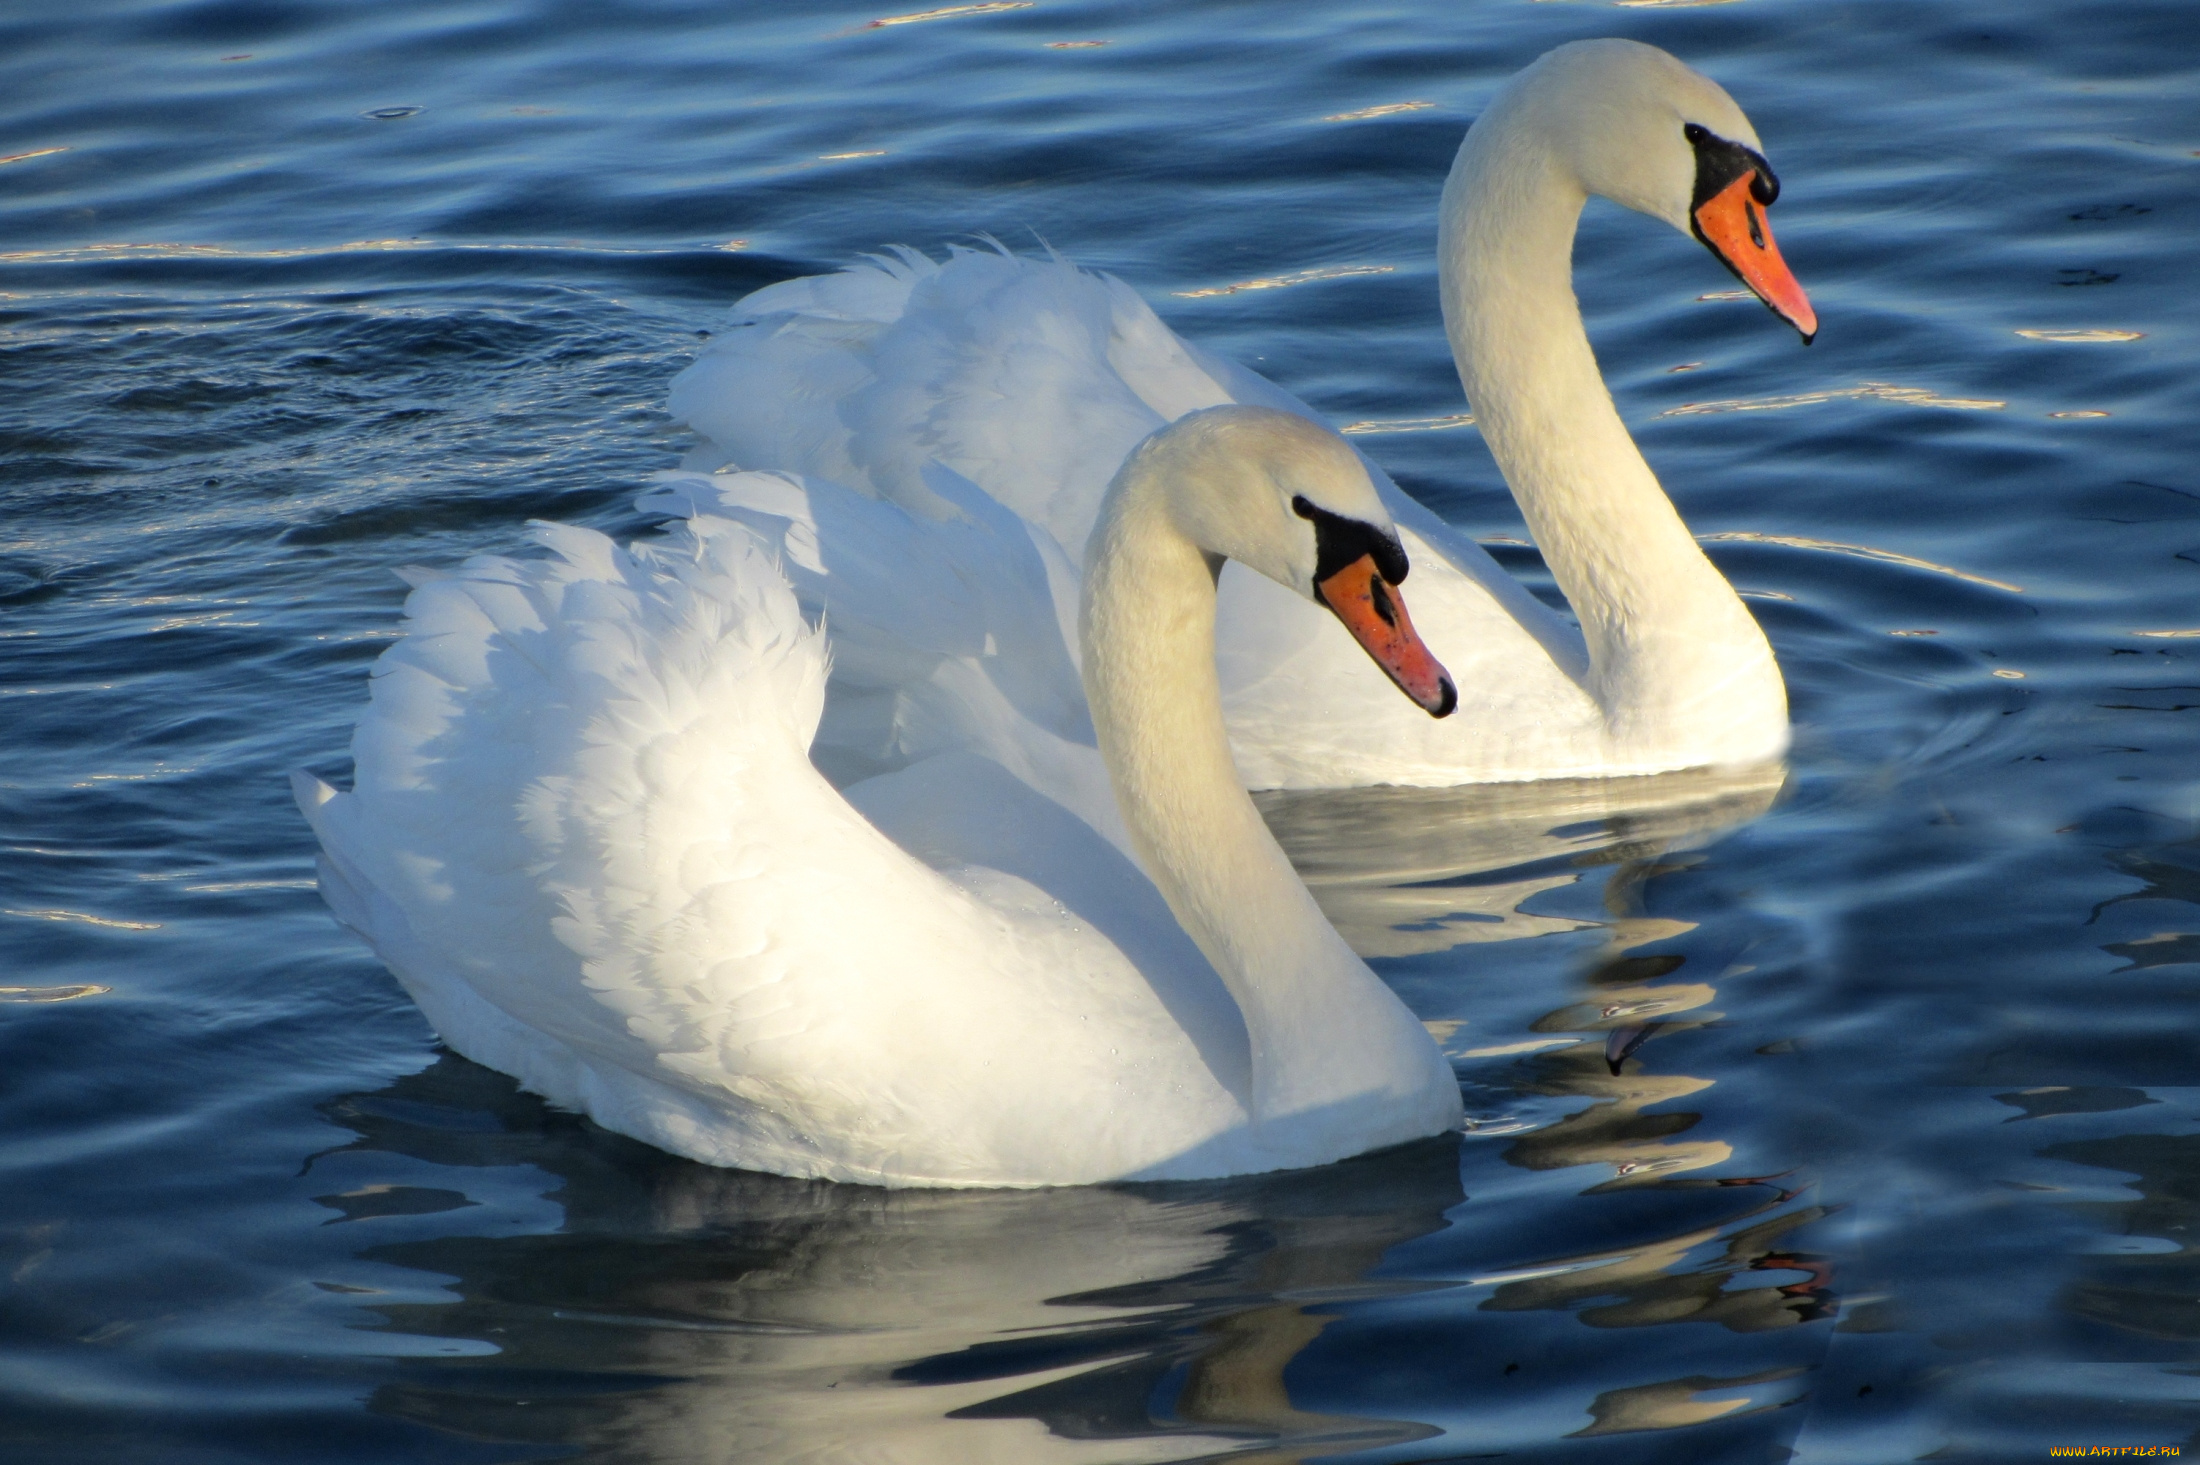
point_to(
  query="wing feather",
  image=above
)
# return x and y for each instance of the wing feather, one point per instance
(586, 833)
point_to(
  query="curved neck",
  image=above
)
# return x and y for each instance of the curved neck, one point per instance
(1669, 642)
(1322, 1028)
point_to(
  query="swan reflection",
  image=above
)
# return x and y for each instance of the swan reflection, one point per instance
(1626, 1004)
(701, 1314)
(1409, 871)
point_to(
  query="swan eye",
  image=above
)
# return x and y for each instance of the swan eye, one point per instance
(1339, 540)
(1720, 162)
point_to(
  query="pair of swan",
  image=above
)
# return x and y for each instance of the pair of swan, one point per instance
(1038, 934)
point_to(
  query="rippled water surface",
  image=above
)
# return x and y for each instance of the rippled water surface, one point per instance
(1907, 1162)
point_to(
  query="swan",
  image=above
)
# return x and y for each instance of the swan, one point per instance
(1034, 379)
(586, 833)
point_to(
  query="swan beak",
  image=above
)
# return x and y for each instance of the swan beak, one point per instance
(1733, 225)
(1375, 615)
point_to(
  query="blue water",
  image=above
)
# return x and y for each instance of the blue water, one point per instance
(293, 293)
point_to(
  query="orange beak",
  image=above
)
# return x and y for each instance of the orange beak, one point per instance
(1376, 617)
(1734, 225)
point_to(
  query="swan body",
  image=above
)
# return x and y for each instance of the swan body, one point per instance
(587, 833)
(1034, 379)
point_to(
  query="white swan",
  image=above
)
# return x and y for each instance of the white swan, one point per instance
(586, 834)
(1033, 380)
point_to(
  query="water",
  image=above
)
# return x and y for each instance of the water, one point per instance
(294, 293)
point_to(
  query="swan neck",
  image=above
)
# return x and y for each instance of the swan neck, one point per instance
(1667, 636)
(1322, 1028)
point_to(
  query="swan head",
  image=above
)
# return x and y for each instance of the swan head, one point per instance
(1638, 127)
(1288, 498)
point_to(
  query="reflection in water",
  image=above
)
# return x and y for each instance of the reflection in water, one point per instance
(1678, 1402)
(1407, 871)
(1700, 1274)
(1614, 1130)
(2150, 1283)
(1651, 1283)
(2052, 1099)
(701, 1314)
(2170, 873)
(1627, 1005)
